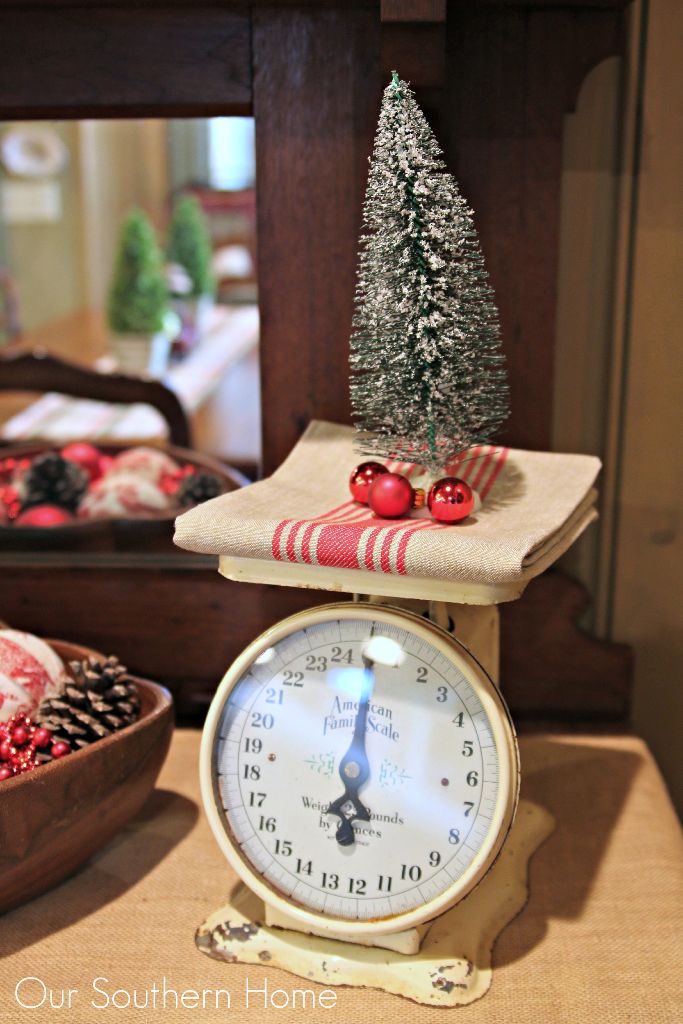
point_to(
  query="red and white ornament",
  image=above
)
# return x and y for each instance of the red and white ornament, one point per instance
(44, 516)
(127, 495)
(390, 496)
(86, 456)
(450, 500)
(363, 477)
(150, 463)
(30, 671)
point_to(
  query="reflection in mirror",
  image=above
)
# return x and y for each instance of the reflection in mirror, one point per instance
(83, 202)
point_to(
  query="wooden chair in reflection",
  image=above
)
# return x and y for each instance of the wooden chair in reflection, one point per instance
(36, 370)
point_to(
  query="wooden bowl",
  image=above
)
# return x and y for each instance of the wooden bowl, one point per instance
(54, 818)
(152, 533)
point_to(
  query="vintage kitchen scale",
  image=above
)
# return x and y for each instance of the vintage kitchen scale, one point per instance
(359, 768)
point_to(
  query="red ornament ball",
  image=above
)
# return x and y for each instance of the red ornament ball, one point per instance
(390, 496)
(59, 749)
(362, 477)
(85, 455)
(450, 500)
(44, 515)
(5, 773)
(10, 506)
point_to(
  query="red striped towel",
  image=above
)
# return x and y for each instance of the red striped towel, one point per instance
(534, 504)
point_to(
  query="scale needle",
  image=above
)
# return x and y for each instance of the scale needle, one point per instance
(354, 769)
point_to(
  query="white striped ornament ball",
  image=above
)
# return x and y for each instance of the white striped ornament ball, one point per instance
(123, 495)
(150, 463)
(30, 671)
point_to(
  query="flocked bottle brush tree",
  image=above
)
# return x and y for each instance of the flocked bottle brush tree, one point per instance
(427, 371)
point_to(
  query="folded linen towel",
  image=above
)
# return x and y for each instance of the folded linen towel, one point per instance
(534, 505)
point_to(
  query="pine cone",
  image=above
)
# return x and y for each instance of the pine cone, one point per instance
(199, 487)
(100, 699)
(53, 480)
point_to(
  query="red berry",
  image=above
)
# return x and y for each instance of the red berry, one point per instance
(5, 773)
(19, 736)
(42, 737)
(60, 748)
(5, 750)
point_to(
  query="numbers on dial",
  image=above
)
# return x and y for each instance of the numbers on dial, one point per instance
(290, 727)
(262, 721)
(316, 663)
(339, 656)
(291, 678)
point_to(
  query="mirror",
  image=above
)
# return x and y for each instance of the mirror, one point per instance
(66, 191)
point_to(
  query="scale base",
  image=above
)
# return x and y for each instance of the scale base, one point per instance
(453, 964)
(406, 942)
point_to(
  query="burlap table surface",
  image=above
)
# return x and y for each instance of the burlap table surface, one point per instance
(600, 939)
(535, 504)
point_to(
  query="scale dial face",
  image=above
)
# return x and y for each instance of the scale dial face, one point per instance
(359, 768)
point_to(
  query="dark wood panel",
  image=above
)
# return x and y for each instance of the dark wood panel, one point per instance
(317, 89)
(512, 76)
(413, 10)
(551, 670)
(183, 627)
(419, 7)
(179, 627)
(103, 62)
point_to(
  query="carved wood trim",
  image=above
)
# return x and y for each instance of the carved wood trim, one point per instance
(551, 669)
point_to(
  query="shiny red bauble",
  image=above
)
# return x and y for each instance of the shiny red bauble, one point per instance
(450, 500)
(363, 477)
(60, 749)
(44, 515)
(390, 496)
(85, 455)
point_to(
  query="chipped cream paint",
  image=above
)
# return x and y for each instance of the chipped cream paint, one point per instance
(453, 966)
